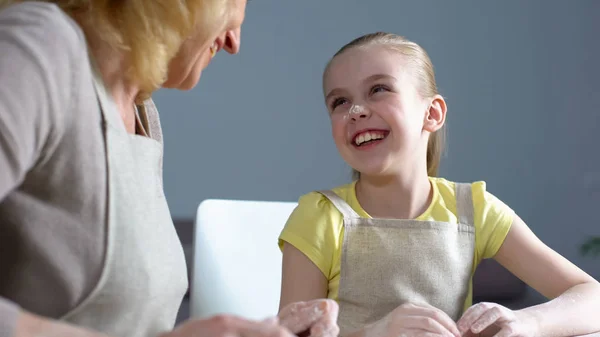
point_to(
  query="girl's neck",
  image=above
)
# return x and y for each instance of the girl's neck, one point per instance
(404, 196)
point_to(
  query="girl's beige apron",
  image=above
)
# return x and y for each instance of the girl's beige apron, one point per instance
(144, 278)
(386, 263)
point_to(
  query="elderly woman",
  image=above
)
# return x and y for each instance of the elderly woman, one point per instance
(87, 244)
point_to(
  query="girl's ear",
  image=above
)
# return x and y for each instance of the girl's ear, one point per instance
(435, 116)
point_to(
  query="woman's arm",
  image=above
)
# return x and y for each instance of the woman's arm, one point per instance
(217, 326)
(30, 325)
(575, 296)
(39, 53)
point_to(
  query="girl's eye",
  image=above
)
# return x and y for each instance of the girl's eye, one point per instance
(338, 101)
(378, 88)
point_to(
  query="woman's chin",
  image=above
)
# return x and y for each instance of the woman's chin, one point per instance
(183, 83)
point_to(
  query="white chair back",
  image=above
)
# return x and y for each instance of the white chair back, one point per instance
(237, 263)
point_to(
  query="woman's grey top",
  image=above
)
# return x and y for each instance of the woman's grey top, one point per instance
(85, 233)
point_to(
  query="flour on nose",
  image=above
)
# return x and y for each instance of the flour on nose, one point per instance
(356, 109)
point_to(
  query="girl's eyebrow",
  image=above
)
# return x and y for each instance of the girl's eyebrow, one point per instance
(333, 92)
(371, 78)
(379, 77)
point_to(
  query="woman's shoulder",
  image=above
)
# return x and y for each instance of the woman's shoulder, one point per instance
(43, 41)
(37, 13)
(41, 22)
(52, 83)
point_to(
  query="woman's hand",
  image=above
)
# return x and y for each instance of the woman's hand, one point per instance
(495, 320)
(229, 326)
(316, 318)
(415, 321)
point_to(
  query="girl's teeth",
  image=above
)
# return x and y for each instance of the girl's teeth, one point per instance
(367, 136)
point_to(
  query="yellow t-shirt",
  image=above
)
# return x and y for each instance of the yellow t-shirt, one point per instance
(316, 228)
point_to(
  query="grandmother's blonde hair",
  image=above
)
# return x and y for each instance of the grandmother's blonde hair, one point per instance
(422, 68)
(149, 31)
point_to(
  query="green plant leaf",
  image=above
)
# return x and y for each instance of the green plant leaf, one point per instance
(591, 247)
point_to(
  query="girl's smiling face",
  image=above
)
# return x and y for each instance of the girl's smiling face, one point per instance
(380, 123)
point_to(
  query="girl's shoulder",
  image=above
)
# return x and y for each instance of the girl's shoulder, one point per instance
(447, 189)
(492, 217)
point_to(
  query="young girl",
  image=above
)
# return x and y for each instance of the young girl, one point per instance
(397, 248)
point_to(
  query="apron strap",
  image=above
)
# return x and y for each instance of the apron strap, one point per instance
(150, 112)
(464, 204)
(340, 204)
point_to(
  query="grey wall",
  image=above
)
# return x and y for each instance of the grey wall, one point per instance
(521, 80)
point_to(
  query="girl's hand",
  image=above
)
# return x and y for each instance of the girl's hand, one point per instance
(415, 321)
(316, 318)
(495, 320)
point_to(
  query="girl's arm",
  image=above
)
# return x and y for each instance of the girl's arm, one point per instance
(301, 279)
(575, 296)
(303, 283)
(303, 307)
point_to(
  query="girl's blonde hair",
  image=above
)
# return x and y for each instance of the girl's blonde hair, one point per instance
(422, 68)
(150, 32)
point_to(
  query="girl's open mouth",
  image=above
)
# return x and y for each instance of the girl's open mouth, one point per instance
(369, 137)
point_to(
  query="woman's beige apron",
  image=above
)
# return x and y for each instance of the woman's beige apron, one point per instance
(386, 263)
(144, 277)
